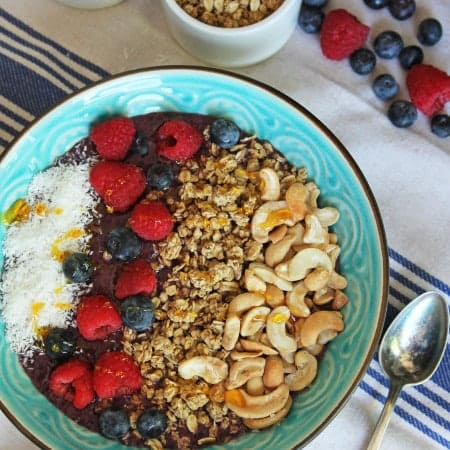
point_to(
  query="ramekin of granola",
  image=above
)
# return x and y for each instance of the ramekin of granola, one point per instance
(173, 281)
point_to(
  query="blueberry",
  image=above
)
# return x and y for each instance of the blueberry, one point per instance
(113, 423)
(376, 4)
(77, 267)
(363, 61)
(385, 86)
(402, 113)
(60, 343)
(388, 44)
(310, 18)
(151, 423)
(429, 31)
(224, 133)
(140, 144)
(410, 55)
(137, 312)
(123, 244)
(318, 3)
(160, 175)
(440, 125)
(402, 9)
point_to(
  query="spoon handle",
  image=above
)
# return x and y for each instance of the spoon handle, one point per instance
(383, 421)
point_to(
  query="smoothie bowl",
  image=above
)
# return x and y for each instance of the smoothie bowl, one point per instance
(189, 259)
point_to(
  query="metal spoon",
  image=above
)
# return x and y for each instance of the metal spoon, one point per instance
(411, 351)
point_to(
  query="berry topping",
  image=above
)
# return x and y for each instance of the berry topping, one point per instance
(123, 244)
(402, 9)
(363, 61)
(137, 312)
(113, 137)
(160, 175)
(341, 34)
(224, 133)
(310, 18)
(410, 55)
(116, 374)
(402, 113)
(376, 4)
(385, 87)
(429, 88)
(388, 44)
(440, 125)
(178, 140)
(72, 381)
(97, 317)
(59, 343)
(77, 267)
(140, 145)
(151, 220)
(429, 31)
(136, 277)
(117, 183)
(151, 423)
(113, 423)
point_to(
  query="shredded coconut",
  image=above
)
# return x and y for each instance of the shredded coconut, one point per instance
(34, 292)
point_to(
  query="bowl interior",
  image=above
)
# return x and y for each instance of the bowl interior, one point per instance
(258, 109)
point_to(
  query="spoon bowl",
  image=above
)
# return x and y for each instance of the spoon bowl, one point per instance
(411, 350)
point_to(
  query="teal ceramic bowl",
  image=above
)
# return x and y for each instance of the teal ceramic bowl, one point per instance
(259, 109)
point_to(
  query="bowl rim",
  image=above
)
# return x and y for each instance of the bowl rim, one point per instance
(234, 32)
(382, 240)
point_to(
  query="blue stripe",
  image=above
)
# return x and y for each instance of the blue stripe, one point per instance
(13, 115)
(425, 391)
(27, 89)
(411, 400)
(47, 54)
(38, 63)
(405, 281)
(399, 296)
(8, 129)
(24, 27)
(406, 416)
(3, 143)
(419, 271)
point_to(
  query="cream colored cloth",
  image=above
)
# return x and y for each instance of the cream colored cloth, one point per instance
(407, 169)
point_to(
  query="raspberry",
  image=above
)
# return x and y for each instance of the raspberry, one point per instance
(136, 277)
(116, 374)
(178, 140)
(72, 381)
(113, 138)
(341, 34)
(97, 317)
(118, 184)
(429, 88)
(151, 220)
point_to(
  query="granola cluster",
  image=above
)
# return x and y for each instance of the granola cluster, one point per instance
(230, 13)
(204, 260)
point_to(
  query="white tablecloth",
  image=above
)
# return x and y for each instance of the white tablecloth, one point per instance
(407, 169)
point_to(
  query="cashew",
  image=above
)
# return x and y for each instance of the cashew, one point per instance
(276, 252)
(278, 233)
(273, 372)
(255, 346)
(259, 424)
(324, 296)
(253, 283)
(326, 336)
(256, 407)
(243, 370)
(270, 189)
(254, 320)
(274, 296)
(315, 349)
(255, 386)
(295, 300)
(276, 332)
(327, 216)
(315, 233)
(332, 250)
(318, 322)
(317, 279)
(306, 371)
(269, 276)
(237, 356)
(337, 281)
(237, 306)
(212, 370)
(296, 199)
(269, 216)
(339, 301)
(302, 263)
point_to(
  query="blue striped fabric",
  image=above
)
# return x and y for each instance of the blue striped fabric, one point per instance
(36, 72)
